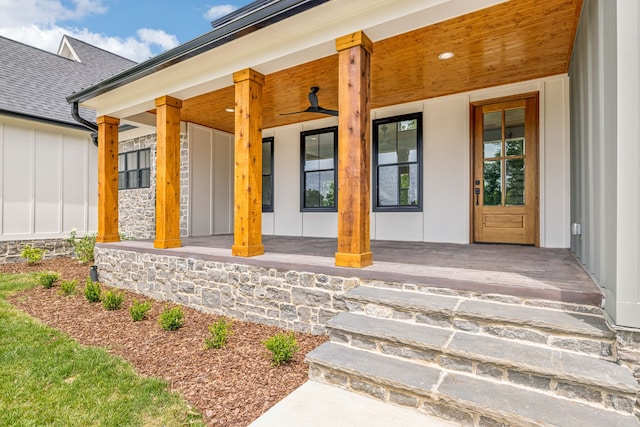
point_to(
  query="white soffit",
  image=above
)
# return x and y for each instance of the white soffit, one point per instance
(305, 37)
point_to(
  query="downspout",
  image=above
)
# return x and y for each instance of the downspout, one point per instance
(76, 116)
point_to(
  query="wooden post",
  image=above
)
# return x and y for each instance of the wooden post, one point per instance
(107, 179)
(247, 229)
(354, 148)
(168, 173)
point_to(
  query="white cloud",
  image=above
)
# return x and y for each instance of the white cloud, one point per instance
(37, 23)
(219, 11)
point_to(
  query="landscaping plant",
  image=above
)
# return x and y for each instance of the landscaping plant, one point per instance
(48, 279)
(139, 310)
(112, 300)
(220, 331)
(32, 255)
(68, 287)
(171, 318)
(282, 347)
(92, 291)
(82, 246)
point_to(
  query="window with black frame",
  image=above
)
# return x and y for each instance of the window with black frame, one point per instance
(267, 174)
(134, 169)
(318, 169)
(397, 162)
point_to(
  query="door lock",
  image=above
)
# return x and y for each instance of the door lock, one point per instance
(477, 191)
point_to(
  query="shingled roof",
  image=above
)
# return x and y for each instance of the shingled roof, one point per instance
(35, 83)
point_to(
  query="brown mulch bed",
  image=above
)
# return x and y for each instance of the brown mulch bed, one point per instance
(231, 386)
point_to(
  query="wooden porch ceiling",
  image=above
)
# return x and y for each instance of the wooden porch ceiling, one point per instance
(514, 41)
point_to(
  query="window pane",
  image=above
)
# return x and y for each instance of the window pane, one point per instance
(405, 125)
(122, 180)
(492, 149)
(266, 157)
(132, 179)
(514, 123)
(132, 160)
(492, 183)
(407, 146)
(387, 149)
(121, 162)
(327, 193)
(514, 182)
(144, 158)
(267, 196)
(311, 161)
(388, 186)
(312, 190)
(145, 180)
(325, 150)
(515, 147)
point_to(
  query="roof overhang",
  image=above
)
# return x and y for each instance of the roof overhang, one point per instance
(269, 40)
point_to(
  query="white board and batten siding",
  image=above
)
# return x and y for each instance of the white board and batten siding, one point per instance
(48, 180)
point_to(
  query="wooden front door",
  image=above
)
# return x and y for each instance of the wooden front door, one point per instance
(505, 171)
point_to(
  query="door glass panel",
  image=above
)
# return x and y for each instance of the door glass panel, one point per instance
(492, 149)
(514, 123)
(515, 147)
(492, 183)
(514, 182)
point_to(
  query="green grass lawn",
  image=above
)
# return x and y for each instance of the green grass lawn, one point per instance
(48, 379)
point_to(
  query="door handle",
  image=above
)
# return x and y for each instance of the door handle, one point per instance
(477, 191)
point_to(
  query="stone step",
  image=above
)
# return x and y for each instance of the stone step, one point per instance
(585, 333)
(467, 399)
(560, 372)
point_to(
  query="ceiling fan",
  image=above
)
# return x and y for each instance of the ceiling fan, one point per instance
(314, 107)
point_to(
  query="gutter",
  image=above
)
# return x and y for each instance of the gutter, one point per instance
(75, 113)
(238, 24)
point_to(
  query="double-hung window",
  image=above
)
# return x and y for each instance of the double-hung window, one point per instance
(319, 169)
(134, 169)
(267, 174)
(397, 163)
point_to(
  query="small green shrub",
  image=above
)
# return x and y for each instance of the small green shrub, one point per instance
(139, 310)
(112, 300)
(68, 287)
(220, 331)
(82, 246)
(48, 279)
(282, 347)
(92, 291)
(32, 255)
(171, 318)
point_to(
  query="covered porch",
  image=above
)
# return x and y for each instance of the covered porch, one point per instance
(510, 271)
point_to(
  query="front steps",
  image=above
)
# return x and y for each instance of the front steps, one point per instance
(478, 362)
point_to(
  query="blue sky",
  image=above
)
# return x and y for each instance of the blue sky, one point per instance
(135, 29)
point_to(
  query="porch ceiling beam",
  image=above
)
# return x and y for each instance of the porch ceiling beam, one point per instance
(168, 173)
(354, 147)
(247, 232)
(107, 179)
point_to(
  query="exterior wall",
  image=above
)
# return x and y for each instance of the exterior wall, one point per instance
(48, 181)
(136, 207)
(605, 106)
(446, 143)
(10, 250)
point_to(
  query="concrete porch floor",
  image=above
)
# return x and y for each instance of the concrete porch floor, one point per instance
(521, 271)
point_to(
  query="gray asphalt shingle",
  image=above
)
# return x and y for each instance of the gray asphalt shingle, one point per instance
(35, 82)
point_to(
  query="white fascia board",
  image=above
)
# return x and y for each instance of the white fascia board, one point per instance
(307, 36)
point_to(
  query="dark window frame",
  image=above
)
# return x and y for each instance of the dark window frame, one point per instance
(303, 173)
(269, 207)
(126, 171)
(419, 162)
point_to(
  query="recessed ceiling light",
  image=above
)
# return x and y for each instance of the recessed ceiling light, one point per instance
(229, 110)
(445, 55)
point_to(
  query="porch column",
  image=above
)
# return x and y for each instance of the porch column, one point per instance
(247, 228)
(354, 148)
(168, 173)
(107, 179)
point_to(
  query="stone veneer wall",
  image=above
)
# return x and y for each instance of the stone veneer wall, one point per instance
(10, 250)
(136, 207)
(293, 300)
